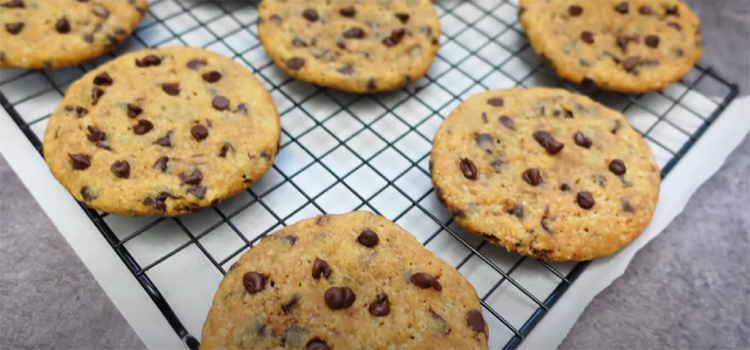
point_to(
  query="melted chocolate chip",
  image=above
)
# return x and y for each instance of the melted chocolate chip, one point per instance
(371, 85)
(346, 69)
(651, 40)
(496, 164)
(484, 140)
(348, 11)
(321, 267)
(148, 61)
(143, 127)
(381, 306)
(317, 344)
(468, 169)
(496, 102)
(103, 79)
(403, 17)
(161, 164)
(627, 206)
(575, 10)
(425, 280)
(96, 94)
(532, 176)
(80, 161)
(622, 8)
(171, 89)
(617, 167)
(166, 140)
(199, 132)
(645, 10)
(582, 140)
(616, 127)
(295, 63)
(14, 28)
(220, 103)
(671, 10)
(89, 38)
(81, 112)
(195, 64)
(297, 42)
(86, 194)
(287, 307)
(339, 298)
(675, 26)
(545, 224)
(211, 77)
(133, 110)
(631, 63)
(585, 200)
(63, 25)
(121, 169)
(197, 191)
(225, 148)
(587, 37)
(95, 134)
(101, 11)
(507, 122)
(517, 211)
(548, 142)
(14, 4)
(475, 320)
(354, 33)
(311, 15)
(193, 178)
(564, 188)
(459, 213)
(254, 282)
(341, 44)
(368, 238)
(276, 19)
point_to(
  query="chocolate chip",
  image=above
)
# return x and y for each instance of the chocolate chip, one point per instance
(468, 169)
(89, 38)
(14, 4)
(211, 77)
(193, 178)
(425, 280)
(95, 134)
(321, 267)
(545, 224)
(381, 306)
(311, 15)
(161, 164)
(651, 40)
(517, 211)
(679, 52)
(101, 11)
(575, 10)
(297, 42)
(171, 89)
(507, 122)
(548, 142)
(14, 28)
(143, 127)
(585, 200)
(645, 10)
(403, 17)
(197, 191)
(627, 206)
(80, 161)
(587, 37)
(81, 112)
(368, 238)
(371, 85)
(521, 10)
(339, 298)
(496, 102)
(396, 36)
(121, 169)
(674, 25)
(671, 10)
(475, 320)
(295, 63)
(346, 69)
(225, 148)
(254, 282)
(484, 140)
(631, 63)
(220, 103)
(317, 344)
(354, 33)
(496, 164)
(617, 167)
(63, 25)
(96, 93)
(287, 307)
(459, 213)
(341, 44)
(564, 188)
(133, 110)
(148, 61)
(86, 194)
(532, 176)
(103, 79)
(613, 57)
(616, 127)
(582, 140)
(426, 30)
(195, 64)
(241, 108)
(276, 19)
(568, 113)
(348, 11)
(265, 154)
(622, 8)
(199, 132)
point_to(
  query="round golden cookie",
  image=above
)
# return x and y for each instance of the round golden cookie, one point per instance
(352, 281)
(356, 46)
(59, 33)
(545, 172)
(162, 132)
(628, 46)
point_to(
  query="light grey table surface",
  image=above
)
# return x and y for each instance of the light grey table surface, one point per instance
(687, 289)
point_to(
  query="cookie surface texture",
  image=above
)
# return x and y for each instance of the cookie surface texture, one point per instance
(162, 132)
(357, 46)
(59, 33)
(629, 46)
(351, 281)
(545, 172)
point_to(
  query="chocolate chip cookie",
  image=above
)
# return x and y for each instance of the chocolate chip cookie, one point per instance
(352, 281)
(628, 46)
(545, 172)
(162, 132)
(59, 33)
(356, 46)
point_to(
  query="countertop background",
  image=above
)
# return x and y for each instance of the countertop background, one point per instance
(687, 289)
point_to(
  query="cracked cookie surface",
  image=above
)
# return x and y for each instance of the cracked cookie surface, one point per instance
(352, 45)
(545, 172)
(351, 281)
(629, 46)
(60, 33)
(162, 132)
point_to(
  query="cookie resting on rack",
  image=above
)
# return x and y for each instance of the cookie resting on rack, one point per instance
(59, 33)
(628, 46)
(545, 172)
(356, 46)
(351, 281)
(162, 132)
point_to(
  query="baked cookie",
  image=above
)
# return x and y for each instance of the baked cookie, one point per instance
(628, 46)
(356, 46)
(545, 172)
(162, 132)
(59, 33)
(352, 281)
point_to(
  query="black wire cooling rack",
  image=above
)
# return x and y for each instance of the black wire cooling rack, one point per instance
(482, 47)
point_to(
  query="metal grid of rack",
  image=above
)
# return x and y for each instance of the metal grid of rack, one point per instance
(343, 152)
